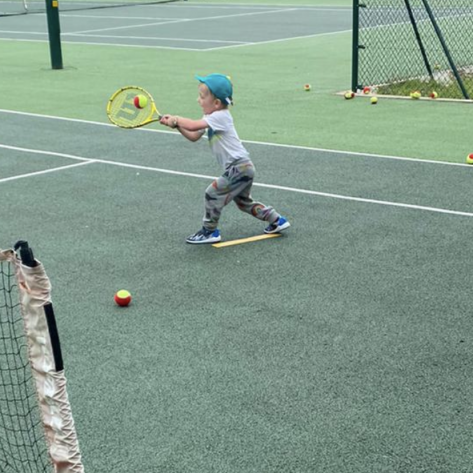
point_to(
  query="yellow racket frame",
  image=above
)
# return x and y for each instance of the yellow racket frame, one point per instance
(122, 112)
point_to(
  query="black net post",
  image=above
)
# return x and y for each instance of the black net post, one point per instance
(355, 45)
(54, 31)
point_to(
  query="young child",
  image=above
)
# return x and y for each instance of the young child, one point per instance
(215, 95)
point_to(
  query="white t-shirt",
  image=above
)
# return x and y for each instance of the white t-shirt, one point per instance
(223, 139)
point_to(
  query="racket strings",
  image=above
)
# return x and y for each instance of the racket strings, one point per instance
(123, 112)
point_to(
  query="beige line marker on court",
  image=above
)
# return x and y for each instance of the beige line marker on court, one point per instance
(246, 240)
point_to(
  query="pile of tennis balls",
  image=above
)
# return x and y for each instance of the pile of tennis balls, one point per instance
(366, 90)
(416, 95)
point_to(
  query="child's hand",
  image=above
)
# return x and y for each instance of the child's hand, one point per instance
(169, 120)
(164, 120)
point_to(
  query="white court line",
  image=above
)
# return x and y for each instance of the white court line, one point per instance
(262, 143)
(260, 6)
(104, 44)
(268, 186)
(170, 47)
(129, 26)
(46, 171)
(236, 44)
(29, 40)
(25, 32)
(191, 40)
(188, 20)
(280, 40)
(124, 17)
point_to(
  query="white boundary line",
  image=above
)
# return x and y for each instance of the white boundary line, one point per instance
(279, 40)
(40, 33)
(202, 176)
(218, 48)
(72, 14)
(260, 6)
(105, 44)
(110, 17)
(188, 40)
(262, 143)
(186, 20)
(85, 33)
(153, 38)
(46, 171)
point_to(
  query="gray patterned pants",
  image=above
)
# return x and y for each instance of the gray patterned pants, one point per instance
(235, 184)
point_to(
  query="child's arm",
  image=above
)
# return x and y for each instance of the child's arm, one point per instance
(193, 130)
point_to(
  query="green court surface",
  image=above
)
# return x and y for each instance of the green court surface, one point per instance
(343, 346)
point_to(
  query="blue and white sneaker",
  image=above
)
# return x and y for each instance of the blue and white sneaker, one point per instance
(277, 226)
(204, 236)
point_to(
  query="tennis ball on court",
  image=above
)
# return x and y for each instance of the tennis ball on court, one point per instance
(416, 95)
(349, 95)
(374, 100)
(469, 159)
(307, 87)
(122, 298)
(434, 95)
(366, 90)
(140, 101)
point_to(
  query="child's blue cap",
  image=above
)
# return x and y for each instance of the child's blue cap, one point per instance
(219, 85)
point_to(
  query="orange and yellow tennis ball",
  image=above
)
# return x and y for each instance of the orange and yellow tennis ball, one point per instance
(366, 90)
(434, 95)
(140, 101)
(349, 95)
(469, 159)
(416, 95)
(307, 87)
(122, 298)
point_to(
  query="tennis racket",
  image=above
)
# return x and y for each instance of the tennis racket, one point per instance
(121, 109)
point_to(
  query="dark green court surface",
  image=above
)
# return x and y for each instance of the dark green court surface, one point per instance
(342, 346)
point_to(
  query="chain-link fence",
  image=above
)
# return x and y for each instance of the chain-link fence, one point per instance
(406, 46)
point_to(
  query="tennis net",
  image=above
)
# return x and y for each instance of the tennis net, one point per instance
(37, 433)
(20, 7)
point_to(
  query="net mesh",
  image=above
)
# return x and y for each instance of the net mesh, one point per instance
(18, 7)
(400, 51)
(23, 448)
